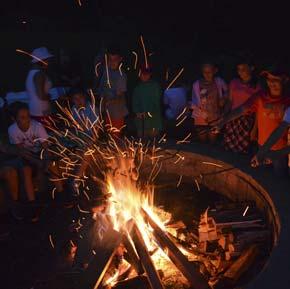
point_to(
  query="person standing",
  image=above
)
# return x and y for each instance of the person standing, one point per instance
(237, 133)
(38, 85)
(146, 105)
(209, 97)
(269, 105)
(112, 89)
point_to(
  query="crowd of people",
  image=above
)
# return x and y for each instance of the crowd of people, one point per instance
(250, 115)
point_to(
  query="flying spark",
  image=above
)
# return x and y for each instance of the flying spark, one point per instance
(179, 181)
(180, 122)
(212, 164)
(197, 185)
(107, 71)
(246, 210)
(51, 241)
(175, 78)
(136, 59)
(144, 51)
(31, 55)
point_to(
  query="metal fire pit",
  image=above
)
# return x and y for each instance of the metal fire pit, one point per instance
(233, 177)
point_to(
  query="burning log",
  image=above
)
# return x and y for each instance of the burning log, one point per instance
(190, 273)
(131, 255)
(152, 275)
(140, 282)
(100, 263)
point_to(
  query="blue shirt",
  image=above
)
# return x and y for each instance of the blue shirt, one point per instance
(175, 99)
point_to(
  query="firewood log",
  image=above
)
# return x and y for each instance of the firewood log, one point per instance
(140, 282)
(241, 265)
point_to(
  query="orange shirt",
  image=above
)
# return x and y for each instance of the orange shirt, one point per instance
(269, 113)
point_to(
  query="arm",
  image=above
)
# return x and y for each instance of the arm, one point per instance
(277, 154)
(273, 138)
(228, 101)
(236, 113)
(39, 81)
(194, 98)
(42, 136)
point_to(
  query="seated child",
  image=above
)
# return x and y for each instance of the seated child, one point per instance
(31, 137)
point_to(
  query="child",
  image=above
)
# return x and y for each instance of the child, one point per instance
(30, 136)
(38, 85)
(209, 97)
(175, 101)
(86, 115)
(113, 86)
(269, 106)
(146, 104)
(280, 132)
(237, 136)
(83, 111)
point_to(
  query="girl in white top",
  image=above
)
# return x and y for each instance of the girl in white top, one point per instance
(38, 84)
(29, 135)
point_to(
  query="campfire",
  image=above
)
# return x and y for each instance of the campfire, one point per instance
(148, 249)
(140, 244)
(140, 229)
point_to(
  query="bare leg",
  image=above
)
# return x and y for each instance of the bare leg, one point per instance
(54, 170)
(28, 183)
(10, 175)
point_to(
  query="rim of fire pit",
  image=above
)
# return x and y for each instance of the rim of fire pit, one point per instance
(233, 177)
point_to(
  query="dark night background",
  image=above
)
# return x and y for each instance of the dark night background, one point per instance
(178, 32)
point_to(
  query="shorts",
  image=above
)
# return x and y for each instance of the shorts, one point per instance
(16, 163)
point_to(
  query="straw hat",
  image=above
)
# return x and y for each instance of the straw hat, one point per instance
(40, 53)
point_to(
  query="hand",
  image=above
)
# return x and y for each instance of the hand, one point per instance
(215, 130)
(255, 162)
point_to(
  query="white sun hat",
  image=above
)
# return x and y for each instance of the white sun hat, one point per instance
(39, 54)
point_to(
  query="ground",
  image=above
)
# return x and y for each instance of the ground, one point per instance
(27, 254)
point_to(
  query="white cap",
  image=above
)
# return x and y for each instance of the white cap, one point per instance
(40, 53)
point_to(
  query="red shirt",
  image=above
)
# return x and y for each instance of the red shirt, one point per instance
(240, 92)
(269, 112)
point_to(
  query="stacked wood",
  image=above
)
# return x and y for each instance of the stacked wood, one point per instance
(195, 278)
(238, 268)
